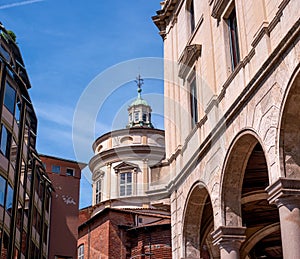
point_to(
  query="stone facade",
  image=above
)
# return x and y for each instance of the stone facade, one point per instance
(232, 126)
(127, 163)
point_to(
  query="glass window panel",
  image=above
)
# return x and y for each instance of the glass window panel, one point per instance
(18, 110)
(70, 172)
(129, 178)
(122, 190)
(9, 97)
(23, 170)
(13, 153)
(9, 198)
(4, 53)
(56, 169)
(2, 190)
(5, 141)
(81, 252)
(194, 102)
(192, 16)
(98, 191)
(129, 189)
(122, 178)
(233, 39)
(144, 117)
(136, 116)
(125, 184)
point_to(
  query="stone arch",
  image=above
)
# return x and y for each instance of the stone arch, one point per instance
(198, 223)
(257, 236)
(289, 129)
(245, 200)
(233, 175)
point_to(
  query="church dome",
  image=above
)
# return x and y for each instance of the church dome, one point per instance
(139, 101)
(139, 111)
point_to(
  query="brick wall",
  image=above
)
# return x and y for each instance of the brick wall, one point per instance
(111, 235)
(155, 240)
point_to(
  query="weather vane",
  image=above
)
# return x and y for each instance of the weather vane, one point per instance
(139, 81)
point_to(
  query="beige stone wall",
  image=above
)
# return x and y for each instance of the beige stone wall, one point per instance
(141, 147)
(249, 99)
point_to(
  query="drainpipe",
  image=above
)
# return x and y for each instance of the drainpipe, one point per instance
(89, 241)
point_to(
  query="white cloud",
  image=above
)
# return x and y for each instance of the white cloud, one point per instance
(6, 6)
(62, 115)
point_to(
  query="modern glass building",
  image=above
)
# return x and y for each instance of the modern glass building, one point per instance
(25, 189)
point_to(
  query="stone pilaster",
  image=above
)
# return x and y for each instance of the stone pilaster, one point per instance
(108, 170)
(285, 193)
(145, 175)
(229, 240)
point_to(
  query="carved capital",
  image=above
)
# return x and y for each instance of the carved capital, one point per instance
(229, 238)
(285, 191)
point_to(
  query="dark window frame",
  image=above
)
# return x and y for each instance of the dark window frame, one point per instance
(191, 13)
(5, 147)
(193, 101)
(10, 100)
(233, 39)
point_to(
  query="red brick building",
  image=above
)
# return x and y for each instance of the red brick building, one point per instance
(125, 233)
(65, 177)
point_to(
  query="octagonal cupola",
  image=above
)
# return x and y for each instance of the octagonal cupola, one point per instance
(139, 111)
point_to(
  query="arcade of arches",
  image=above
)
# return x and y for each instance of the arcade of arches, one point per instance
(261, 218)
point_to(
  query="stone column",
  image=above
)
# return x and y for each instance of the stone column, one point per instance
(285, 193)
(229, 240)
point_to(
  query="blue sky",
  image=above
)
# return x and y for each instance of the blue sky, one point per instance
(69, 45)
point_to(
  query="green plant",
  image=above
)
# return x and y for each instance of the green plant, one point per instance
(12, 35)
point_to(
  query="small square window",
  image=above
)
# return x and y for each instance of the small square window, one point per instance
(70, 172)
(55, 169)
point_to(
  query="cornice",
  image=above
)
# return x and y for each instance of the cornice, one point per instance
(218, 8)
(127, 152)
(161, 17)
(189, 56)
(129, 131)
(125, 166)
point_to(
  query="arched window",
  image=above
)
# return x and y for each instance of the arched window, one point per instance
(81, 252)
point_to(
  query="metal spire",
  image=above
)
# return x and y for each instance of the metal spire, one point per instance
(139, 81)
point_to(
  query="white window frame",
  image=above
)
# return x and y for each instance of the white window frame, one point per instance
(126, 185)
(81, 251)
(98, 191)
(73, 170)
